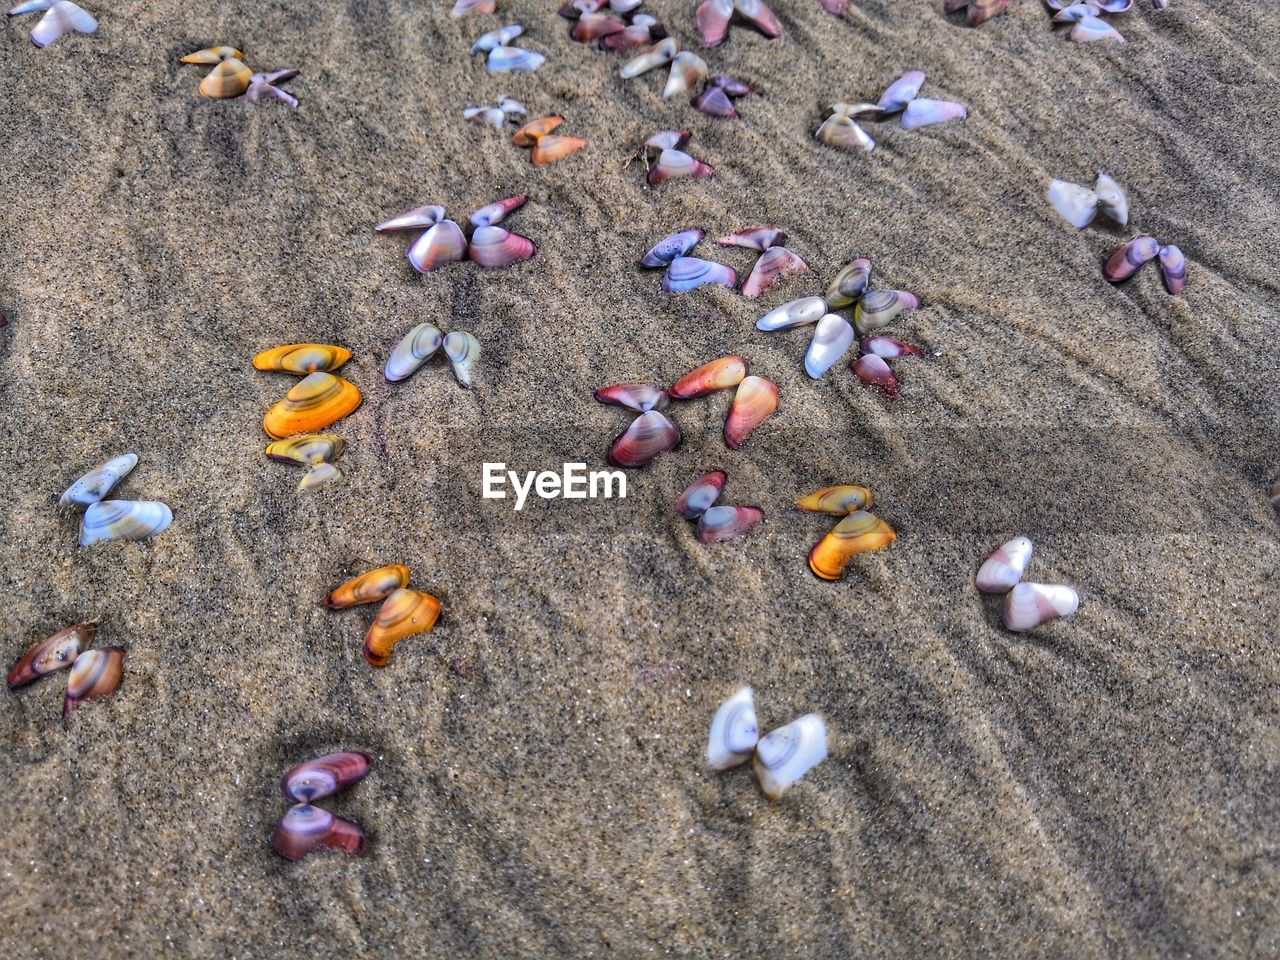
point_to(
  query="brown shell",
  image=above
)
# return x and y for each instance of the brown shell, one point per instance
(369, 587)
(230, 78)
(402, 614)
(96, 673)
(52, 653)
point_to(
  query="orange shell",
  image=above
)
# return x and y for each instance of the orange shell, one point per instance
(229, 78)
(550, 149)
(402, 614)
(535, 130)
(302, 358)
(857, 533)
(369, 587)
(755, 401)
(839, 501)
(316, 401)
(720, 374)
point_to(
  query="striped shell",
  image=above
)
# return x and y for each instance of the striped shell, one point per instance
(878, 307)
(649, 435)
(462, 349)
(302, 358)
(377, 584)
(734, 732)
(307, 449)
(123, 520)
(784, 756)
(771, 268)
(230, 78)
(442, 244)
(495, 247)
(100, 481)
(1003, 569)
(849, 284)
(689, 273)
(315, 402)
(859, 532)
(726, 523)
(838, 501)
(1130, 257)
(213, 55)
(667, 249)
(639, 397)
(305, 828)
(401, 615)
(700, 495)
(325, 776)
(95, 673)
(720, 374)
(52, 653)
(755, 401)
(414, 349)
(1028, 605)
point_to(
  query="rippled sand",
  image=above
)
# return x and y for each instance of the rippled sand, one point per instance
(1105, 787)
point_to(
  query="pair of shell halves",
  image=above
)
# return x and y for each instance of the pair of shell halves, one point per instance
(305, 828)
(60, 16)
(614, 25)
(422, 342)
(857, 532)
(715, 523)
(780, 758)
(1026, 605)
(665, 161)
(443, 242)
(113, 519)
(497, 115)
(404, 611)
(842, 127)
(775, 263)
(1086, 18)
(231, 77)
(94, 673)
(713, 18)
(547, 146)
(502, 56)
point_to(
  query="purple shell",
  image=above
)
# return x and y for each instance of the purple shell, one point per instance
(688, 273)
(325, 775)
(677, 245)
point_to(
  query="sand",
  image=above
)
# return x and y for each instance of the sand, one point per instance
(1104, 787)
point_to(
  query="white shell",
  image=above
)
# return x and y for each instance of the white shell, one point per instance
(497, 38)
(97, 483)
(62, 17)
(318, 475)
(1075, 203)
(1111, 199)
(797, 313)
(1030, 604)
(734, 732)
(31, 6)
(462, 350)
(788, 753)
(1004, 568)
(688, 70)
(514, 60)
(662, 52)
(415, 348)
(123, 520)
(831, 338)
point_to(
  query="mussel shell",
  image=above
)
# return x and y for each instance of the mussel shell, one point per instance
(755, 401)
(123, 520)
(302, 358)
(1028, 605)
(1130, 257)
(95, 673)
(726, 523)
(849, 284)
(832, 337)
(100, 481)
(305, 828)
(377, 584)
(878, 307)
(796, 313)
(52, 653)
(875, 372)
(230, 78)
(784, 756)
(315, 402)
(404, 613)
(719, 374)
(899, 94)
(1003, 570)
(700, 495)
(463, 350)
(414, 349)
(734, 732)
(838, 501)
(443, 243)
(689, 273)
(308, 449)
(496, 247)
(649, 435)
(859, 532)
(639, 397)
(325, 776)
(1173, 268)
(676, 245)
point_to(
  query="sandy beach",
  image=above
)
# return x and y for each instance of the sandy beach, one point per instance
(1105, 786)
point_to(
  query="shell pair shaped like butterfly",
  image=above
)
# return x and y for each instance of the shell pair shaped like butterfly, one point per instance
(60, 16)
(842, 127)
(665, 160)
(421, 343)
(548, 147)
(405, 612)
(713, 18)
(1027, 605)
(94, 673)
(857, 532)
(502, 56)
(443, 242)
(113, 519)
(775, 263)
(715, 523)
(1086, 18)
(780, 758)
(305, 828)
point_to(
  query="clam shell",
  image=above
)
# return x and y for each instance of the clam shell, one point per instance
(730, 85)
(593, 26)
(1111, 199)
(873, 371)
(700, 495)
(229, 78)
(639, 397)
(1075, 12)
(675, 164)
(755, 401)
(1130, 257)
(726, 523)
(859, 532)
(377, 584)
(52, 653)
(123, 520)
(316, 401)
(667, 249)
(499, 210)
(64, 17)
(318, 475)
(98, 482)
(463, 350)
(797, 313)
(719, 374)
(209, 55)
(496, 247)
(95, 673)
(712, 18)
(497, 38)
(649, 434)
(1092, 29)
(688, 70)
(1173, 268)
(535, 130)
(734, 732)
(759, 16)
(414, 219)
(305, 828)
(923, 112)
(664, 51)
(638, 34)
(901, 92)
(302, 358)
(878, 307)
(405, 613)
(832, 337)
(839, 501)
(849, 284)
(552, 148)
(443, 243)
(715, 102)
(689, 273)
(325, 776)
(308, 449)
(462, 7)
(755, 238)
(841, 131)
(1004, 569)
(1076, 204)
(666, 140)
(888, 348)
(414, 349)
(980, 11)
(1028, 605)
(785, 755)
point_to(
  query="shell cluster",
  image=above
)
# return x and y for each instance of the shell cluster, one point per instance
(715, 523)
(833, 335)
(548, 147)
(231, 77)
(1026, 605)
(502, 56)
(615, 25)
(443, 242)
(60, 16)
(1086, 18)
(305, 828)
(498, 114)
(422, 342)
(842, 129)
(665, 161)
(714, 17)
(113, 519)
(404, 611)
(651, 434)
(857, 532)
(94, 673)
(978, 12)
(1078, 205)
(781, 758)
(684, 273)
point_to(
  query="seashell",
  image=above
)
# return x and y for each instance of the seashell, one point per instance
(305, 828)
(1111, 199)
(264, 85)
(1159, 4)
(784, 756)
(413, 219)
(878, 307)
(535, 130)
(980, 11)
(841, 131)
(1028, 605)
(462, 7)
(315, 402)
(726, 523)
(673, 164)
(624, 6)
(858, 111)
(1003, 569)
(1128, 258)
(664, 51)
(210, 55)
(98, 482)
(462, 349)
(1092, 29)
(689, 273)
(94, 674)
(377, 584)
(1173, 267)
(496, 247)
(831, 338)
(874, 372)
(62, 17)
(302, 358)
(1112, 6)
(52, 653)
(772, 267)
(699, 496)
(498, 211)
(837, 8)
(443, 243)
(496, 38)
(593, 26)
(759, 16)
(713, 18)
(1076, 204)
(899, 94)
(755, 238)
(1075, 12)
(923, 112)
(838, 501)
(667, 249)
(325, 776)
(634, 396)
(308, 449)
(414, 349)
(644, 31)
(797, 313)
(318, 475)
(550, 149)
(666, 140)
(730, 85)
(715, 102)
(720, 374)
(123, 520)
(734, 732)
(514, 60)
(859, 532)
(688, 70)
(888, 348)
(850, 283)
(755, 401)
(229, 78)
(31, 6)
(403, 614)
(650, 434)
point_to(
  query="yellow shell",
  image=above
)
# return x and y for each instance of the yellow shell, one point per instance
(318, 400)
(837, 500)
(369, 587)
(402, 614)
(302, 358)
(859, 532)
(308, 448)
(229, 78)
(213, 55)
